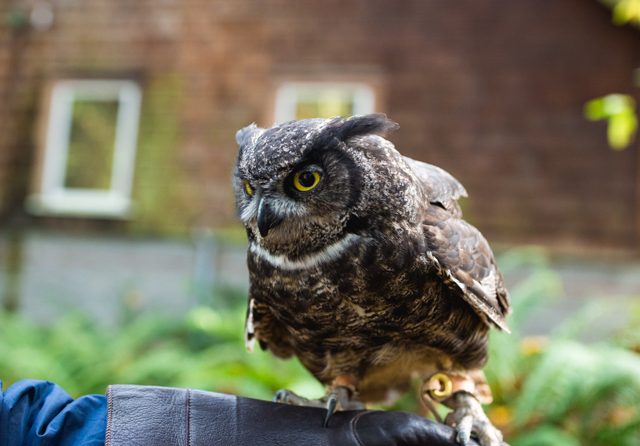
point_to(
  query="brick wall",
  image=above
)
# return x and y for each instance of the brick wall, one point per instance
(492, 91)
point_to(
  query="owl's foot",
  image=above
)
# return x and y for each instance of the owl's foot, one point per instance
(343, 398)
(288, 397)
(338, 398)
(463, 392)
(468, 417)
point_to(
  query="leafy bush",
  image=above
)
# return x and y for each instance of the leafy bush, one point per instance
(556, 390)
(548, 391)
(204, 351)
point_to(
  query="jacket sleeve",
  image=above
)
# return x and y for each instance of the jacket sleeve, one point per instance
(40, 413)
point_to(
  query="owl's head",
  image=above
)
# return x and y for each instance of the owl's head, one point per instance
(299, 184)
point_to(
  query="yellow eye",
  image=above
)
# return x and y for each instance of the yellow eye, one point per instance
(247, 188)
(306, 180)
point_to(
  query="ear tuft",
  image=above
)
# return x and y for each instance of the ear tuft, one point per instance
(245, 135)
(375, 123)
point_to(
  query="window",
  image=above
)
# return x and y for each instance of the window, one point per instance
(299, 100)
(89, 149)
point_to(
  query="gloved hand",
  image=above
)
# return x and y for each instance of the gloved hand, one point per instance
(140, 415)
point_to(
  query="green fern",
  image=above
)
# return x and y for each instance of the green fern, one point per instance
(556, 390)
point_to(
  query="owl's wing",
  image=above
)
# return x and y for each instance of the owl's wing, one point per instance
(439, 186)
(464, 259)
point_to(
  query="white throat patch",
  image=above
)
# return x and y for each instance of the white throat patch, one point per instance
(327, 254)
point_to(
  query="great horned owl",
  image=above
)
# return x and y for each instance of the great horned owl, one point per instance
(360, 264)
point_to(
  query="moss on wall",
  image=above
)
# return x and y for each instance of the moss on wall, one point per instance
(161, 202)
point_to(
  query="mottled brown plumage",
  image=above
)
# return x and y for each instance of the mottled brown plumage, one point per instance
(372, 273)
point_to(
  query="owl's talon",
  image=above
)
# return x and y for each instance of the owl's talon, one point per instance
(332, 405)
(339, 397)
(468, 417)
(463, 428)
(280, 396)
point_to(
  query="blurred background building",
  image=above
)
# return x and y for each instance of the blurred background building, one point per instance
(117, 124)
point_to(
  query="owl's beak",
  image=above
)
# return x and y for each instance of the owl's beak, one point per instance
(267, 218)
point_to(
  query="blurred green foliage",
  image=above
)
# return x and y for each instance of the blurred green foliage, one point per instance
(204, 351)
(555, 390)
(548, 391)
(619, 111)
(624, 11)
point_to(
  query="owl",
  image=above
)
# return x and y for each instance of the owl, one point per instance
(361, 266)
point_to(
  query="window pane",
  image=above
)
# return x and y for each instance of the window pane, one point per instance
(91, 144)
(324, 104)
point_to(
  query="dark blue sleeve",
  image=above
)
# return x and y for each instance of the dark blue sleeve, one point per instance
(40, 413)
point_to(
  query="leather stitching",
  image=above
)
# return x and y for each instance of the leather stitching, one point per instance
(188, 416)
(107, 439)
(352, 424)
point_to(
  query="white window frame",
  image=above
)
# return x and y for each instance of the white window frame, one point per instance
(56, 199)
(288, 93)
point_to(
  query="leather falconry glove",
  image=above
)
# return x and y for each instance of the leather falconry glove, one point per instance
(140, 415)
